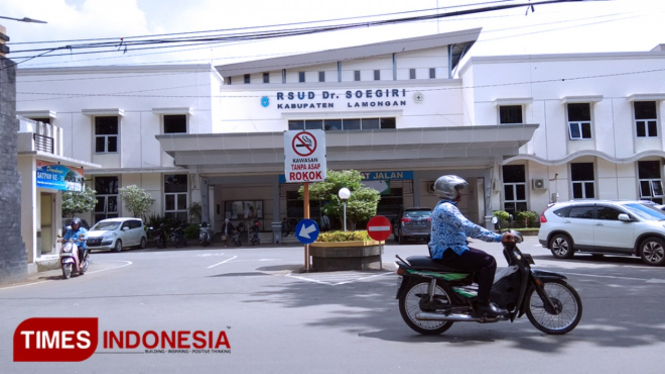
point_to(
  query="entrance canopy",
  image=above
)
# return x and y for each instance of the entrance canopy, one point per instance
(414, 148)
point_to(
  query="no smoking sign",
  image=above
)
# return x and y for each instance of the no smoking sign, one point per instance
(305, 156)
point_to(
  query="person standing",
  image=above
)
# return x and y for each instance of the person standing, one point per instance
(227, 231)
(325, 223)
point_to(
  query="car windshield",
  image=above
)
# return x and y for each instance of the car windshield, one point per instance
(417, 213)
(646, 212)
(106, 226)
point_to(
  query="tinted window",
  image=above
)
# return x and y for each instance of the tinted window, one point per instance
(581, 212)
(607, 213)
(563, 212)
(417, 213)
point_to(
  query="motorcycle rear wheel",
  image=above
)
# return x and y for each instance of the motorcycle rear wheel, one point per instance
(409, 305)
(565, 297)
(67, 270)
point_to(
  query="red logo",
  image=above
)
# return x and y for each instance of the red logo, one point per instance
(55, 339)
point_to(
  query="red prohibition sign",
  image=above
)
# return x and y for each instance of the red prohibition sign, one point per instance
(305, 141)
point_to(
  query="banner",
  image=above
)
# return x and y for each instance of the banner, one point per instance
(59, 177)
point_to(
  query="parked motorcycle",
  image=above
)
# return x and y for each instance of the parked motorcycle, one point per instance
(159, 235)
(254, 238)
(69, 259)
(235, 238)
(205, 233)
(178, 237)
(433, 296)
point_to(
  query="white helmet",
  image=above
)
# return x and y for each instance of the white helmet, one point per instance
(446, 187)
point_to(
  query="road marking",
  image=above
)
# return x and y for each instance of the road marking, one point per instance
(223, 262)
(210, 254)
(337, 278)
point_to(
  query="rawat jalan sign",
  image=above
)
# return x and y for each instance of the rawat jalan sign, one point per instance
(59, 177)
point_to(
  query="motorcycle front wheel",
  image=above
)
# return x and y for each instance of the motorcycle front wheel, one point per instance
(565, 299)
(67, 270)
(409, 305)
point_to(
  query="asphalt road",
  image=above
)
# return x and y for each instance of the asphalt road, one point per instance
(279, 321)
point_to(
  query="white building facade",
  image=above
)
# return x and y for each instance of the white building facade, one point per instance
(523, 130)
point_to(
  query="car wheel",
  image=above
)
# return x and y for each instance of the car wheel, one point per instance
(143, 243)
(652, 251)
(561, 246)
(118, 246)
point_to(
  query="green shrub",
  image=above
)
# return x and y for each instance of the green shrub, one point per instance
(526, 219)
(341, 236)
(191, 231)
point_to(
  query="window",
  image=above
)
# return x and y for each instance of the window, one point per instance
(510, 114)
(266, 77)
(343, 124)
(583, 180)
(356, 75)
(247, 78)
(607, 213)
(175, 197)
(651, 186)
(579, 121)
(412, 73)
(229, 81)
(584, 211)
(377, 75)
(106, 134)
(175, 124)
(107, 198)
(322, 76)
(646, 119)
(432, 73)
(514, 188)
(301, 77)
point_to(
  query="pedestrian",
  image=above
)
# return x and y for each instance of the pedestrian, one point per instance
(227, 231)
(325, 223)
(285, 227)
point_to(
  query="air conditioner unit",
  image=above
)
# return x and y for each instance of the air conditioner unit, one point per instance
(538, 184)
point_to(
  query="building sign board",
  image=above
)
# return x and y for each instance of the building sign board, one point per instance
(379, 98)
(305, 156)
(59, 177)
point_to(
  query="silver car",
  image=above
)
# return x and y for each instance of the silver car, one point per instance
(604, 227)
(116, 233)
(414, 223)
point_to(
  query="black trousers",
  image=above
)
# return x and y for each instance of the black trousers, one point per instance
(474, 260)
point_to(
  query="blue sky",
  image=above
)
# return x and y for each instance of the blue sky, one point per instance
(589, 26)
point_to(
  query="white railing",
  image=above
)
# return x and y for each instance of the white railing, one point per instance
(39, 136)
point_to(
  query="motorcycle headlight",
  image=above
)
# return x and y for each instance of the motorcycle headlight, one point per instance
(67, 247)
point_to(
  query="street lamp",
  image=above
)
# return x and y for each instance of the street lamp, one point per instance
(344, 195)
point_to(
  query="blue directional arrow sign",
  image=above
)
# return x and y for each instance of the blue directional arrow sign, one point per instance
(307, 231)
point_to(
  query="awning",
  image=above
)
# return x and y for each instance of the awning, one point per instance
(414, 148)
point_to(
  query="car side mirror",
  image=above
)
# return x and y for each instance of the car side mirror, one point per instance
(125, 228)
(623, 217)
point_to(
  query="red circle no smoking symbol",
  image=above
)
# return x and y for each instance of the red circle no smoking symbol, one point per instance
(303, 144)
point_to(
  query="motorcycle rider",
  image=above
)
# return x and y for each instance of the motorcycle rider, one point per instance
(227, 231)
(78, 234)
(448, 244)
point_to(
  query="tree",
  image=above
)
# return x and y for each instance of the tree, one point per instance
(78, 202)
(362, 204)
(136, 200)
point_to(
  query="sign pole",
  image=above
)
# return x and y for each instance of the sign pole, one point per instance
(306, 213)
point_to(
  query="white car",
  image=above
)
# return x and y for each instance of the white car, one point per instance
(116, 233)
(604, 227)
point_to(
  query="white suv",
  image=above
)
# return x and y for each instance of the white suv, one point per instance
(604, 227)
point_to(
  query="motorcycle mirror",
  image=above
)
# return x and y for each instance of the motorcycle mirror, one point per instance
(495, 220)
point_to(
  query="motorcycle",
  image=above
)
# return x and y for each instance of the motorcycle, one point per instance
(178, 237)
(235, 238)
(159, 234)
(433, 296)
(204, 235)
(254, 238)
(69, 259)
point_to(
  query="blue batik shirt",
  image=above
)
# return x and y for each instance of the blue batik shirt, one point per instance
(450, 230)
(71, 234)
